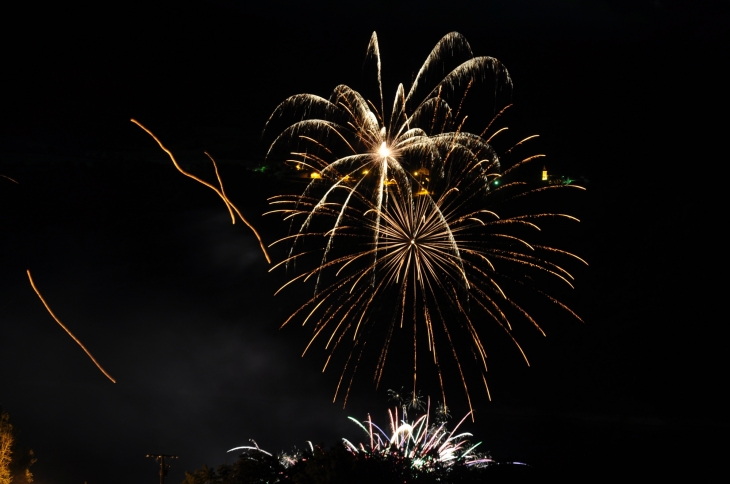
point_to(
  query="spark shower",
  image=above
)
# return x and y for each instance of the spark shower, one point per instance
(406, 230)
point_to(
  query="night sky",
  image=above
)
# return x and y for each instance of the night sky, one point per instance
(144, 267)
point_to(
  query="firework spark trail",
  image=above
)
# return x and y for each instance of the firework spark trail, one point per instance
(32, 284)
(221, 193)
(410, 217)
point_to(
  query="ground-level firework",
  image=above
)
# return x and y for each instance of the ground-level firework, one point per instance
(421, 449)
(417, 236)
(426, 444)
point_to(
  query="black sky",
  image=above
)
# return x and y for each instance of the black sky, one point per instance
(144, 267)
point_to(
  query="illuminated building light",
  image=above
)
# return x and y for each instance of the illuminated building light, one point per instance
(421, 171)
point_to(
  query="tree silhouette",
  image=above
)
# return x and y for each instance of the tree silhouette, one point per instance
(6, 447)
(14, 463)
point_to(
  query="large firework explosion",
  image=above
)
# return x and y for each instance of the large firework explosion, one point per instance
(405, 228)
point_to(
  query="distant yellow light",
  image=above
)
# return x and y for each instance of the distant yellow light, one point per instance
(314, 174)
(422, 171)
(544, 174)
(365, 172)
(384, 151)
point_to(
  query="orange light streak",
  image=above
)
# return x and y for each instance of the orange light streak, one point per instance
(32, 284)
(229, 205)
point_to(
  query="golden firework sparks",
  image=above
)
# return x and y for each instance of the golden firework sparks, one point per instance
(408, 205)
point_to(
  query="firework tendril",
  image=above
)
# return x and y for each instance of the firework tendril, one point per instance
(404, 229)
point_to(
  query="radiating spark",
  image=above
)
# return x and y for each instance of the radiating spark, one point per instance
(221, 193)
(32, 284)
(249, 447)
(414, 211)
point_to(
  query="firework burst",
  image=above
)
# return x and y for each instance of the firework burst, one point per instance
(403, 221)
(424, 444)
(406, 450)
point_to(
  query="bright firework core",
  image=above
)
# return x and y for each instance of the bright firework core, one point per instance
(384, 151)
